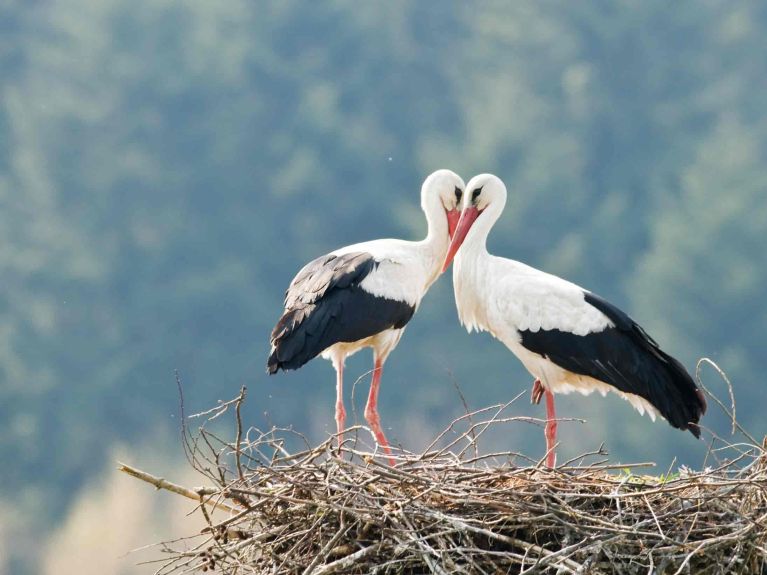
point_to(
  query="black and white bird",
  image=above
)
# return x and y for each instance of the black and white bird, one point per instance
(568, 338)
(363, 295)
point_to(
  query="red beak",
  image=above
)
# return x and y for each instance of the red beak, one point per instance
(468, 217)
(452, 220)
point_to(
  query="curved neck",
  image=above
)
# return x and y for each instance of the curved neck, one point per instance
(437, 238)
(475, 243)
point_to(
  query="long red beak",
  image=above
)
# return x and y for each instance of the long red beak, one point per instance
(452, 220)
(468, 217)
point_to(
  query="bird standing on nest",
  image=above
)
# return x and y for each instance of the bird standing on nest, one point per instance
(568, 338)
(364, 295)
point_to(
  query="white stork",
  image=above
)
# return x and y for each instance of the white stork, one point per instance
(363, 295)
(568, 338)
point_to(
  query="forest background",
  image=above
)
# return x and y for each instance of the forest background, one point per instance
(166, 167)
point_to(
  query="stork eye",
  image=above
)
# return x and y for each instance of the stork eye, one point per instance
(458, 193)
(475, 193)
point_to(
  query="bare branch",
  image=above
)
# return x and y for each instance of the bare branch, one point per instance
(455, 508)
(197, 495)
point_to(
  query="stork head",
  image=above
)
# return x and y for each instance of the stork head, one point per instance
(483, 192)
(443, 190)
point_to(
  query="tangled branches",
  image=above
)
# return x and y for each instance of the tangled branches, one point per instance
(450, 510)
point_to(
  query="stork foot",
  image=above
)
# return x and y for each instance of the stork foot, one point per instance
(374, 420)
(551, 459)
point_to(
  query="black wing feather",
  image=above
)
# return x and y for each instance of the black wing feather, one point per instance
(627, 358)
(325, 305)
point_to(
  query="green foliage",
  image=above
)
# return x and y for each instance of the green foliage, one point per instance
(166, 167)
(718, 241)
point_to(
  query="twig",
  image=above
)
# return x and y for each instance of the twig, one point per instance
(160, 483)
(453, 509)
(238, 444)
(347, 562)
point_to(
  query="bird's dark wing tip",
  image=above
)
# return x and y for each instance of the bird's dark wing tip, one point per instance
(272, 364)
(694, 428)
(693, 425)
(703, 403)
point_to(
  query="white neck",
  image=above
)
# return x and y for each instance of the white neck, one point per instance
(436, 242)
(475, 244)
(469, 268)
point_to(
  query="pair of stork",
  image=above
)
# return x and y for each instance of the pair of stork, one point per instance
(568, 338)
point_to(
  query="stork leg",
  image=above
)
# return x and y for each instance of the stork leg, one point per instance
(340, 411)
(371, 409)
(551, 420)
(551, 430)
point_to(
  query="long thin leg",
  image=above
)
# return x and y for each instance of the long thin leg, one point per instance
(340, 411)
(551, 430)
(371, 409)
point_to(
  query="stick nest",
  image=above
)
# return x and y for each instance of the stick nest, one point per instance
(451, 510)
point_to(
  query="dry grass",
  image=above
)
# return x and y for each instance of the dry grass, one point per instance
(451, 510)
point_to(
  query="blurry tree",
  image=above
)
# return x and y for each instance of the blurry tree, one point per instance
(166, 167)
(703, 277)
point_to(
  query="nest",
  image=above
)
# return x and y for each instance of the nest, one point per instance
(450, 509)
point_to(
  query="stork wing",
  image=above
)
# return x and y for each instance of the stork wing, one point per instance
(326, 304)
(624, 356)
(326, 273)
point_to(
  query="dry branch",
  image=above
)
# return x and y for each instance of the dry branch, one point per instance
(323, 510)
(200, 495)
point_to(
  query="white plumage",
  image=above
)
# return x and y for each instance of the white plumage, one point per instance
(363, 295)
(405, 269)
(495, 293)
(568, 338)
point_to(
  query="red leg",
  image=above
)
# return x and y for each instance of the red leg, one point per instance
(371, 409)
(551, 430)
(340, 411)
(537, 393)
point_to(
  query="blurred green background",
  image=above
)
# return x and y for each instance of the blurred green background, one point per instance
(166, 167)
